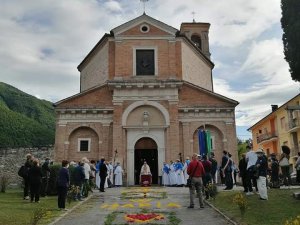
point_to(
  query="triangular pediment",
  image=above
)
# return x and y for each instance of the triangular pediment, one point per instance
(97, 97)
(192, 95)
(132, 27)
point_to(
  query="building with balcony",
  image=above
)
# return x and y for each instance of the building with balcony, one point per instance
(280, 127)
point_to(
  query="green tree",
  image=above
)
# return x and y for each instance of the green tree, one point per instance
(242, 147)
(290, 23)
(25, 121)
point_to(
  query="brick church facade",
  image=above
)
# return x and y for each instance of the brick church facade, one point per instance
(146, 89)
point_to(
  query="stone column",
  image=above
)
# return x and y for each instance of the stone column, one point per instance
(103, 144)
(130, 166)
(117, 130)
(186, 139)
(61, 137)
(173, 142)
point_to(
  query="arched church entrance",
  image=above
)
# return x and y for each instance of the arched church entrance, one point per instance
(145, 149)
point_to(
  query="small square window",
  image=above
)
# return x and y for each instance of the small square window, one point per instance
(84, 145)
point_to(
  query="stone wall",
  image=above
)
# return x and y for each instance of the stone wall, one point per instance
(12, 159)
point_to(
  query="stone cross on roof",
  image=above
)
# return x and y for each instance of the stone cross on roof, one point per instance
(144, 4)
(193, 16)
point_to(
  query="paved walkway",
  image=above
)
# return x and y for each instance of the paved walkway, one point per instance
(94, 210)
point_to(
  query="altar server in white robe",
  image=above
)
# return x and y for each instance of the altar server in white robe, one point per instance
(165, 174)
(106, 178)
(179, 173)
(185, 166)
(110, 174)
(172, 175)
(118, 175)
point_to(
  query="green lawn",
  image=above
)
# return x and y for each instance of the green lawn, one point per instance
(280, 207)
(16, 211)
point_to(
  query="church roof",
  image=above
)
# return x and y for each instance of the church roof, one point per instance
(100, 42)
(56, 104)
(144, 18)
(138, 20)
(214, 94)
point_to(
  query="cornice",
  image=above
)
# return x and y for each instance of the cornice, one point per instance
(84, 110)
(144, 83)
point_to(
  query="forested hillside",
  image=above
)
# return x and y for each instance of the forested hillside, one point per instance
(25, 121)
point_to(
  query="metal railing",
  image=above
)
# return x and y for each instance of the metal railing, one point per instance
(295, 122)
(266, 136)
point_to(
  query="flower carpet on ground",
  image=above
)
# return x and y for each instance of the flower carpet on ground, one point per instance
(133, 193)
(149, 218)
(142, 206)
(143, 217)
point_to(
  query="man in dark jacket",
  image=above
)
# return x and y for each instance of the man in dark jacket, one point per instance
(243, 171)
(274, 171)
(196, 171)
(207, 177)
(63, 182)
(214, 166)
(28, 165)
(262, 166)
(35, 181)
(102, 174)
(79, 177)
(45, 177)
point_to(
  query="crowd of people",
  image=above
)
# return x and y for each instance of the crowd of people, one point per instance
(175, 173)
(86, 176)
(35, 177)
(253, 169)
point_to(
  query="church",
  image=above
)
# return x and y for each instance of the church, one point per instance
(146, 92)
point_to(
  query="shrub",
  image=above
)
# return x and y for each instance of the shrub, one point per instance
(211, 189)
(294, 221)
(241, 202)
(72, 193)
(52, 189)
(39, 214)
(54, 170)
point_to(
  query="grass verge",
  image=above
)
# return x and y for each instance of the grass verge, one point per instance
(16, 211)
(280, 207)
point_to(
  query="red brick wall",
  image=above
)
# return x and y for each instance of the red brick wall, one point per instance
(189, 96)
(154, 31)
(168, 57)
(100, 97)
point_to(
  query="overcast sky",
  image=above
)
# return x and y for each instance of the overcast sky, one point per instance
(43, 41)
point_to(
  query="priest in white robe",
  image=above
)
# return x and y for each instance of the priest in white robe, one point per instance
(118, 175)
(145, 175)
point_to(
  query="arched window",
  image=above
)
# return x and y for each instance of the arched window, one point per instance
(197, 40)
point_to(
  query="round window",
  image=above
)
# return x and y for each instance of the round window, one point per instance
(144, 28)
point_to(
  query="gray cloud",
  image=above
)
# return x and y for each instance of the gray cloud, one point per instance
(42, 44)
